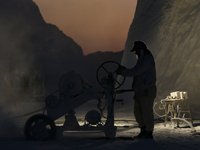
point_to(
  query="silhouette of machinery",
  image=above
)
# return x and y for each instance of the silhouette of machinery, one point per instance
(72, 93)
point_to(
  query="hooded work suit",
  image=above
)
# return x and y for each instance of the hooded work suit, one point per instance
(144, 86)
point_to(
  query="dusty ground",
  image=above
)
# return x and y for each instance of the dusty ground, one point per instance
(164, 137)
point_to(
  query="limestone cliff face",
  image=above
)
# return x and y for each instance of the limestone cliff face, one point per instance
(28, 44)
(171, 31)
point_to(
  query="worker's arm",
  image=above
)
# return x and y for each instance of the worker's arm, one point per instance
(139, 68)
(119, 69)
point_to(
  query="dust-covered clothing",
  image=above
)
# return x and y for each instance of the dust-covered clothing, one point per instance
(144, 73)
(143, 107)
(144, 86)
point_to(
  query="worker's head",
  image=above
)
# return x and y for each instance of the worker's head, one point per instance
(138, 46)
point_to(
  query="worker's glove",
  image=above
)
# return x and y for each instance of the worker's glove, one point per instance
(119, 69)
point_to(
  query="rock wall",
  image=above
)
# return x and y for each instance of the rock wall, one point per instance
(29, 46)
(171, 31)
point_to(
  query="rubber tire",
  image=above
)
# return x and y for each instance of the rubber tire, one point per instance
(34, 118)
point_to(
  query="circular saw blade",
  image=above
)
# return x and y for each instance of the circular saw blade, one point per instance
(70, 84)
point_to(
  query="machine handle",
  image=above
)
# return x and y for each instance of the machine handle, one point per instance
(123, 90)
(117, 91)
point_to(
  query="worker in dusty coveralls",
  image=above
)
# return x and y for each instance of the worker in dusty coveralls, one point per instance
(144, 86)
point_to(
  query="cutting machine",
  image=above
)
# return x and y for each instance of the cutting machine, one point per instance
(72, 93)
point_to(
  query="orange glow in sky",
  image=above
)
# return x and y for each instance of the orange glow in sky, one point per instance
(95, 25)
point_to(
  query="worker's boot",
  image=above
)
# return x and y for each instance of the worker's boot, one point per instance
(148, 135)
(141, 134)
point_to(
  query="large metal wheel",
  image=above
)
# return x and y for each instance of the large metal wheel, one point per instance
(39, 127)
(106, 69)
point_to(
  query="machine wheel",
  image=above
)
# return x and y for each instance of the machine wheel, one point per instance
(52, 101)
(103, 69)
(111, 133)
(93, 117)
(39, 127)
(161, 116)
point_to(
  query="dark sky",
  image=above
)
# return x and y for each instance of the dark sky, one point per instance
(96, 25)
